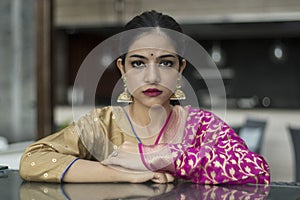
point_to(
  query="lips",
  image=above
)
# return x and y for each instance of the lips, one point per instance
(152, 92)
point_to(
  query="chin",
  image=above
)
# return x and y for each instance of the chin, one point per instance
(154, 103)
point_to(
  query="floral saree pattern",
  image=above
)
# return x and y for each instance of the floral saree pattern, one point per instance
(210, 153)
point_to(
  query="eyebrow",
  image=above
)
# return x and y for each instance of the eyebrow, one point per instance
(143, 57)
(138, 56)
(167, 55)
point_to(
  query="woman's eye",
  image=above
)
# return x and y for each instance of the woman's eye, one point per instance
(166, 63)
(137, 64)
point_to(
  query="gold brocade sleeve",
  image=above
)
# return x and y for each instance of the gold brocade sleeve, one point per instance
(46, 159)
(92, 137)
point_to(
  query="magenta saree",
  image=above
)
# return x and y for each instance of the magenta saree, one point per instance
(198, 146)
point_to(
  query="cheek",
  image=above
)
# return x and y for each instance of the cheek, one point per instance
(134, 81)
(169, 79)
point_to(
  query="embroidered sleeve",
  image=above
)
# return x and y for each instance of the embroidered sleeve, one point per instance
(211, 153)
(224, 160)
(48, 159)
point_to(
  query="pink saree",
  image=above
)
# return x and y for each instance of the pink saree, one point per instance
(196, 145)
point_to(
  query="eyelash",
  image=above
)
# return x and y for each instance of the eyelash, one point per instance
(169, 63)
(141, 64)
(137, 62)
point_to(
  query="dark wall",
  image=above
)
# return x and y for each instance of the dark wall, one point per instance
(259, 73)
(248, 51)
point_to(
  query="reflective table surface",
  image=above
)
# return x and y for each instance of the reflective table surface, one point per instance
(12, 187)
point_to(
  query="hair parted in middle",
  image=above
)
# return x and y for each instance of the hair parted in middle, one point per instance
(157, 20)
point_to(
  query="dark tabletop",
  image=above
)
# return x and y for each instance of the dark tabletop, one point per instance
(12, 187)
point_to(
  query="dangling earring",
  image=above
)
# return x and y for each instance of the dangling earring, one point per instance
(178, 94)
(125, 97)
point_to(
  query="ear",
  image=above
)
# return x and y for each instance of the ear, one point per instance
(183, 65)
(120, 66)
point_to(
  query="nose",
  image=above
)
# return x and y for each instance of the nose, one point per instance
(152, 74)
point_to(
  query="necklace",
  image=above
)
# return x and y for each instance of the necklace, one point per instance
(160, 132)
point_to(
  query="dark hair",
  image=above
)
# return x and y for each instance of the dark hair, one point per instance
(152, 19)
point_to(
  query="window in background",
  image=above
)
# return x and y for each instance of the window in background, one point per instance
(17, 70)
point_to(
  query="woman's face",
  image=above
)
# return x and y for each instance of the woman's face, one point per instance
(151, 69)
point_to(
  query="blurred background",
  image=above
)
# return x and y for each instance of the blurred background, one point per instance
(255, 45)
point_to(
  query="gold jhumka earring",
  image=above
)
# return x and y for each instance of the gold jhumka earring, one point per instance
(125, 97)
(178, 93)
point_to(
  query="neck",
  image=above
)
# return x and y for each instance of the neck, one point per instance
(148, 120)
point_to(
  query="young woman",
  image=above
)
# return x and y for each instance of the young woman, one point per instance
(149, 139)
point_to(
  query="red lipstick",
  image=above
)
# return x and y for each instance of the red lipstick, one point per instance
(152, 92)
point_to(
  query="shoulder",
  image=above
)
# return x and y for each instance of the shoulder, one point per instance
(107, 113)
(95, 115)
(201, 115)
(107, 110)
(199, 112)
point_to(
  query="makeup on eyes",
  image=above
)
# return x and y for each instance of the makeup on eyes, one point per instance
(140, 61)
(166, 63)
(137, 64)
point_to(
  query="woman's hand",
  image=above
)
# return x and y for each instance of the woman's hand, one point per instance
(126, 156)
(156, 177)
(162, 178)
(127, 159)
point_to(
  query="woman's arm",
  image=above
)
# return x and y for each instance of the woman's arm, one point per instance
(93, 171)
(51, 160)
(214, 164)
(212, 154)
(62, 157)
(47, 159)
(232, 166)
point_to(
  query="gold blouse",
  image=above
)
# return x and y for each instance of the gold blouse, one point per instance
(93, 137)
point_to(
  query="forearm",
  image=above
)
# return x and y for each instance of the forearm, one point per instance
(157, 157)
(217, 167)
(94, 171)
(208, 165)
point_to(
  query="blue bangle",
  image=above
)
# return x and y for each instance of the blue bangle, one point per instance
(65, 171)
